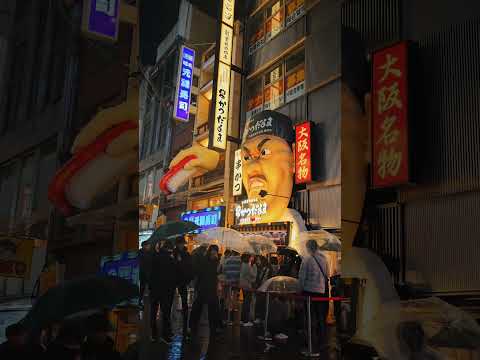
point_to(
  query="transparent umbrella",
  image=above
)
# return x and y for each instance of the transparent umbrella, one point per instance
(280, 284)
(226, 237)
(325, 240)
(261, 245)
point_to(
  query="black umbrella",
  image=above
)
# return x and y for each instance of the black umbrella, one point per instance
(171, 230)
(78, 296)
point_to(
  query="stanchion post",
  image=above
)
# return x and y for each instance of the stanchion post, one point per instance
(309, 319)
(309, 352)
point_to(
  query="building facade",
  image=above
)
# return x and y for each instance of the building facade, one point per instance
(427, 232)
(161, 135)
(37, 67)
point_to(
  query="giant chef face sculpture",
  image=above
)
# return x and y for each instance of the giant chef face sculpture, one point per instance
(267, 163)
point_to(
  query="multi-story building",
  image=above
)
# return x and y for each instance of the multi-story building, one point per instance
(37, 71)
(53, 81)
(161, 135)
(292, 66)
(427, 232)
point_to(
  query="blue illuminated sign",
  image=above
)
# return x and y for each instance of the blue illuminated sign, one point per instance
(206, 218)
(186, 64)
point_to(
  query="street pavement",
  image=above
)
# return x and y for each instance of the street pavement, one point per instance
(234, 343)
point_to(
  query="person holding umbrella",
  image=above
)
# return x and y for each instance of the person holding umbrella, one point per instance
(185, 275)
(163, 280)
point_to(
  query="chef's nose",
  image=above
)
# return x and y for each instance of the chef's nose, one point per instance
(253, 166)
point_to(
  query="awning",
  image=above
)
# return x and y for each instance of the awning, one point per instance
(107, 214)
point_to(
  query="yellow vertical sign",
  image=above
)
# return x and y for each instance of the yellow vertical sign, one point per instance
(224, 61)
(221, 106)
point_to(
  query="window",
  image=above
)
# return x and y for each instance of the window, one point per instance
(274, 19)
(193, 99)
(295, 76)
(195, 81)
(279, 85)
(257, 33)
(295, 10)
(270, 21)
(146, 140)
(255, 98)
(273, 90)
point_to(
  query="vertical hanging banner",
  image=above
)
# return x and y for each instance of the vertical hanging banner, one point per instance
(186, 64)
(303, 153)
(237, 173)
(101, 18)
(219, 126)
(390, 143)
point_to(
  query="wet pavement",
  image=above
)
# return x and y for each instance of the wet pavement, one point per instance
(234, 343)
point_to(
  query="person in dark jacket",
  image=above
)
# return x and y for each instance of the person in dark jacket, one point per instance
(207, 291)
(145, 264)
(98, 345)
(163, 280)
(185, 275)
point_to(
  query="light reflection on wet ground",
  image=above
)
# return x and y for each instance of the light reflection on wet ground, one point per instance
(235, 343)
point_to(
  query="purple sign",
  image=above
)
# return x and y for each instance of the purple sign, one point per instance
(102, 18)
(186, 64)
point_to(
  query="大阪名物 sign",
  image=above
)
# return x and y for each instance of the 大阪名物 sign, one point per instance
(303, 153)
(181, 107)
(390, 150)
(101, 18)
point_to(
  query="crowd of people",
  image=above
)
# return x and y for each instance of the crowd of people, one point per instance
(220, 280)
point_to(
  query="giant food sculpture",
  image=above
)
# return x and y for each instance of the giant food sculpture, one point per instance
(104, 150)
(267, 167)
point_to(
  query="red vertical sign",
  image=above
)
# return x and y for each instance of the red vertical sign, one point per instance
(390, 153)
(303, 162)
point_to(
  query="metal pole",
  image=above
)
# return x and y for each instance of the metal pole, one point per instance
(309, 319)
(309, 352)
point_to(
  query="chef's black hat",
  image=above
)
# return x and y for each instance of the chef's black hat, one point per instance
(269, 122)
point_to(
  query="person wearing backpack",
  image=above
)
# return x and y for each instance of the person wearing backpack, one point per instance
(313, 281)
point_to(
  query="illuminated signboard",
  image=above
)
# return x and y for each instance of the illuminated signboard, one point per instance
(206, 218)
(390, 150)
(101, 18)
(181, 109)
(250, 211)
(303, 153)
(237, 173)
(218, 137)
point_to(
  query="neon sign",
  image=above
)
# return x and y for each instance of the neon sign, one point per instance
(186, 65)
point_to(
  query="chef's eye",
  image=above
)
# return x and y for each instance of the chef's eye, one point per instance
(265, 152)
(247, 157)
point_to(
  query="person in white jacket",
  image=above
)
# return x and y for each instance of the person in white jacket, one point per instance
(313, 281)
(248, 275)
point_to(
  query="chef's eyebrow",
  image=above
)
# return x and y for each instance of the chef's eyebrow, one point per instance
(261, 143)
(244, 148)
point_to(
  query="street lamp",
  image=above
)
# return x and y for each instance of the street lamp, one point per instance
(264, 193)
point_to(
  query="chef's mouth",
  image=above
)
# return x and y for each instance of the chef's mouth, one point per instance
(256, 182)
